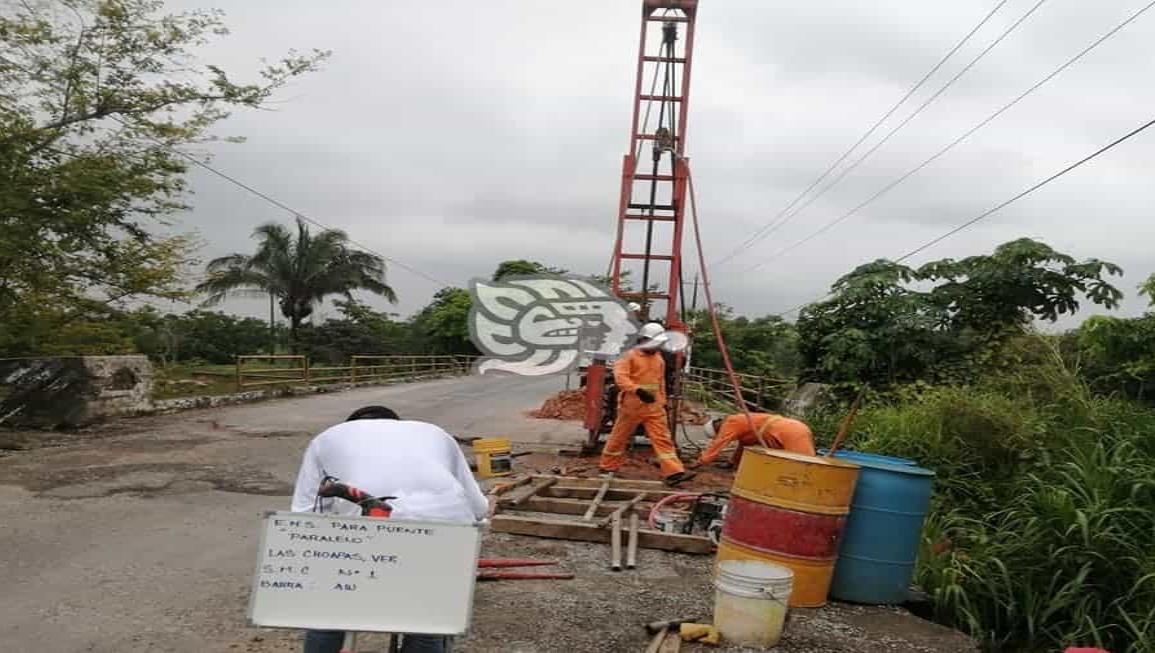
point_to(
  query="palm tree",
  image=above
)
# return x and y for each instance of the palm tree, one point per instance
(299, 272)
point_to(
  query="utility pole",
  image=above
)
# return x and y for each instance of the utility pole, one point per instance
(272, 326)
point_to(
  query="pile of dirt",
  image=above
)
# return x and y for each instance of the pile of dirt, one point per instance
(567, 405)
(570, 405)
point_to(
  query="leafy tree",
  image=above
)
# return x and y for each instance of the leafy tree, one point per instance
(361, 330)
(1023, 280)
(764, 346)
(873, 329)
(300, 271)
(1119, 354)
(521, 267)
(1147, 289)
(95, 98)
(879, 326)
(443, 325)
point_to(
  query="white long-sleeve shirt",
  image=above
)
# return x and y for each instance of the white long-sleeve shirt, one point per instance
(416, 462)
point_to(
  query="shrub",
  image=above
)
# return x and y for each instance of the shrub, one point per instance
(1042, 520)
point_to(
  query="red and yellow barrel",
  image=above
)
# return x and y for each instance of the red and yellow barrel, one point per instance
(790, 509)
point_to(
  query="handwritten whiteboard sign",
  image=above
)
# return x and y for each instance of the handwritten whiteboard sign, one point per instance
(364, 574)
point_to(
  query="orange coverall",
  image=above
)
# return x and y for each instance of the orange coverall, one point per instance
(640, 369)
(778, 431)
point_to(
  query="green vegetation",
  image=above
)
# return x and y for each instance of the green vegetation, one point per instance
(96, 99)
(883, 326)
(1042, 519)
(298, 271)
(1040, 529)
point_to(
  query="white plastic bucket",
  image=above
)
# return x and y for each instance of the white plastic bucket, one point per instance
(750, 602)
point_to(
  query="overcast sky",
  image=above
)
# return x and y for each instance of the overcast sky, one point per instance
(452, 134)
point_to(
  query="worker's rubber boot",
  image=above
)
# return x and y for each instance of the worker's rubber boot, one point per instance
(678, 478)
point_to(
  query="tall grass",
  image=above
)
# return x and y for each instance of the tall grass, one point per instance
(1042, 532)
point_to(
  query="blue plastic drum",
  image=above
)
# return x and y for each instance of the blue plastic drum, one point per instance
(881, 540)
(862, 456)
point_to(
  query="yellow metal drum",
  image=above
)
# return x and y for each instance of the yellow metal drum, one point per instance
(817, 485)
(807, 498)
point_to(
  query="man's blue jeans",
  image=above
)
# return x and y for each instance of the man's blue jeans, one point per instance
(329, 641)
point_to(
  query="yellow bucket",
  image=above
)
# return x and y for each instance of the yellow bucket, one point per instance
(494, 457)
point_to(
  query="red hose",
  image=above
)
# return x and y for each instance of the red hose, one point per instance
(741, 401)
(669, 499)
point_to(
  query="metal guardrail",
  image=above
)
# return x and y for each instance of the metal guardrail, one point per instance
(361, 368)
(712, 387)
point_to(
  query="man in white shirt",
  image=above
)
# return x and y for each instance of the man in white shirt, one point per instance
(418, 463)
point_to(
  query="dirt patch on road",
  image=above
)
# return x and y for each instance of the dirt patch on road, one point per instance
(140, 479)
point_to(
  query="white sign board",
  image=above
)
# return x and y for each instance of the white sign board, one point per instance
(364, 574)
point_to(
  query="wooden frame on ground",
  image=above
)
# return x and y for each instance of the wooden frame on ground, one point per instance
(571, 504)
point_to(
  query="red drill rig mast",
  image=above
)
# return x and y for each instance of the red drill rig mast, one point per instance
(648, 247)
(653, 192)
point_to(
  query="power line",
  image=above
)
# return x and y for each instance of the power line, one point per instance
(272, 200)
(773, 224)
(1005, 203)
(998, 207)
(983, 123)
(254, 191)
(285, 207)
(854, 166)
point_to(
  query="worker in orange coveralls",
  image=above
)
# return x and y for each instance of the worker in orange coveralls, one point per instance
(639, 375)
(779, 433)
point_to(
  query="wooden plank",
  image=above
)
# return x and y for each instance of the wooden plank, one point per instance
(616, 542)
(561, 492)
(569, 507)
(502, 488)
(632, 546)
(597, 501)
(616, 483)
(581, 531)
(524, 495)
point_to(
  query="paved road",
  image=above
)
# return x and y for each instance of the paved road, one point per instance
(142, 536)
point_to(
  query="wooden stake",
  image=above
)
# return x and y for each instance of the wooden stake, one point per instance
(672, 643)
(844, 429)
(632, 547)
(624, 509)
(616, 543)
(597, 501)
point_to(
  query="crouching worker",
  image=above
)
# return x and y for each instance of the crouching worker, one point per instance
(418, 463)
(779, 433)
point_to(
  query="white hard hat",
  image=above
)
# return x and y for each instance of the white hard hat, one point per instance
(652, 336)
(634, 307)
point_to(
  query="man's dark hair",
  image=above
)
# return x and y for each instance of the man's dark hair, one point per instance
(372, 412)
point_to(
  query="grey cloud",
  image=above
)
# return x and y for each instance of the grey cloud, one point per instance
(452, 136)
